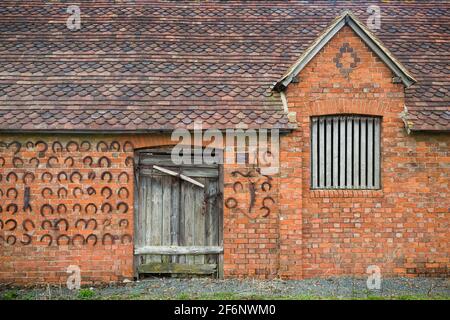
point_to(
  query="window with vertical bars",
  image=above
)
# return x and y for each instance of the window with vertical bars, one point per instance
(345, 152)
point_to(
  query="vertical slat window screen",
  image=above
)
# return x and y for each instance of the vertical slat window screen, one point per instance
(345, 152)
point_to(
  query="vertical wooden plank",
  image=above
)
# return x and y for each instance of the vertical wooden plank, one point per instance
(220, 199)
(377, 142)
(356, 148)
(335, 135)
(166, 214)
(349, 158)
(314, 159)
(211, 218)
(175, 215)
(370, 152)
(321, 152)
(363, 153)
(147, 215)
(328, 147)
(199, 218)
(189, 217)
(156, 215)
(342, 154)
(182, 222)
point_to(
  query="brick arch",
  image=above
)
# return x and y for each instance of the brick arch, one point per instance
(341, 106)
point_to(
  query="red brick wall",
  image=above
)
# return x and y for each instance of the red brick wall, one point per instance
(41, 165)
(402, 228)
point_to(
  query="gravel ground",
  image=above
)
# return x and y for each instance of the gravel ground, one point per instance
(172, 288)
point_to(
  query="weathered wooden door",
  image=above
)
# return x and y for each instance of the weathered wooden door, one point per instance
(178, 222)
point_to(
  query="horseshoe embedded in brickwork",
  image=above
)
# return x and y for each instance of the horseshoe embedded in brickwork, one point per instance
(102, 160)
(87, 161)
(115, 146)
(106, 223)
(26, 175)
(91, 236)
(50, 160)
(61, 208)
(87, 223)
(123, 223)
(46, 222)
(264, 207)
(127, 146)
(77, 206)
(17, 162)
(12, 191)
(91, 191)
(76, 174)
(85, 146)
(28, 241)
(86, 209)
(104, 205)
(40, 142)
(26, 222)
(123, 193)
(123, 205)
(126, 236)
(14, 206)
(2, 162)
(43, 207)
(62, 173)
(63, 236)
(14, 239)
(91, 175)
(66, 223)
(13, 222)
(77, 190)
(102, 146)
(123, 174)
(109, 235)
(47, 236)
(46, 175)
(231, 203)
(129, 161)
(83, 241)
(106, 192)
(69, 162)
(46, 192)
(17, 145)
(72, 143)
(55, 145)
(34, 160)
(62, 192)
(12, 174)
(29, 145)
(236, 184)
(106, 173)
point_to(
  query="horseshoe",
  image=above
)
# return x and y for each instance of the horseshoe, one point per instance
(43, 143)
(2, 162)
(128, 236)
(91, 236)
(57, 143)
(62, 192)
(78, 206)
(121, 190)
(47, 174)
(87, 161)
(102, 159)
(17, 144)
(129, 161)
(27, 242)
(106, 223)
(12, 190)
(122, 204)
(11, 237)
(108, 190)
(62, 173)
(127, 146)
(77, 190)
(63, 236)
(100, 144)
(46, 222)
(123, 174)
(72, 162)
(115, 146)
(50, 159)
(86, 223)
(65, 222)
(70, 143)
(76, 173)
(46, 206)
(231, 203)
(110, 236)
(34, 159)
(106, 173)
(237, 183)
(61, 208)
(91, 191)
(90, 205)
(8, 176)
(14, 206)
(29, 145)
(16, 161)
(268, 184)
(83, 241)
(123, 221)
(83, 146)
(9, 221)
(47, 236)
(25, 176)
(25, 222)
(91, 175)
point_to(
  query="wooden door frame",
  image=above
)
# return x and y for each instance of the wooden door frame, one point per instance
(220, 256)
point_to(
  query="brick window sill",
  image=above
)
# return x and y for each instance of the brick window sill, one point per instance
(346, 193)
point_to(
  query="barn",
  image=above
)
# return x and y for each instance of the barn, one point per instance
(223, 139)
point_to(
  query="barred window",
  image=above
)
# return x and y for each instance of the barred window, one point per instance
(345, 152)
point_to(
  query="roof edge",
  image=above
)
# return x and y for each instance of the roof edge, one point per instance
(346, 18)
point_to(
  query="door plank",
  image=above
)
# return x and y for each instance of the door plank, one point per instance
(178, 268)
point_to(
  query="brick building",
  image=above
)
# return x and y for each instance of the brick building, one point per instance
(87, 113)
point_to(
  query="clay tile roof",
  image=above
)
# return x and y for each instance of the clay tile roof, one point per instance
(140, 65)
